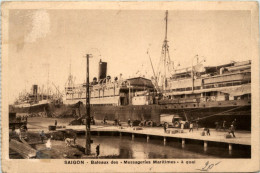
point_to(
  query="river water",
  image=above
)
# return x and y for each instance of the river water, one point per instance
(139, 148)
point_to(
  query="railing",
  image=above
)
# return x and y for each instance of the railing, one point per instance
(180, 100)
(217, 85)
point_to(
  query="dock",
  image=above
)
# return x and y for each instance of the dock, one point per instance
(22, 148)
(242, 138)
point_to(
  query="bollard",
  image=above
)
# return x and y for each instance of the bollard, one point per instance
(133, 136)
(98, 133)
(148, 137)
(205, 144)
(183, 141)
(230, 147)
(120, 134)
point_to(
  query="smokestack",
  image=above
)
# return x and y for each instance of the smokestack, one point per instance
(102, 73)
(35, 90)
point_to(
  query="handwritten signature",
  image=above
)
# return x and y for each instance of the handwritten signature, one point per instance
(208, 166)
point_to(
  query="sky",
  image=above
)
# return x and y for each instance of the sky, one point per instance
(43, 42)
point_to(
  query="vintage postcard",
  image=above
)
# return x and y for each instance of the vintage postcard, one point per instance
(130, 87)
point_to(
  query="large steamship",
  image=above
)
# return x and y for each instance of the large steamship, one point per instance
(198, 93)
(214, 94)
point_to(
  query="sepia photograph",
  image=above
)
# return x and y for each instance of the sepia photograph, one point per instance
(155, 85)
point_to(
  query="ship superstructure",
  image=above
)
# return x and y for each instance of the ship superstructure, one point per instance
(198, 83)
(209, 84)
(117, 92)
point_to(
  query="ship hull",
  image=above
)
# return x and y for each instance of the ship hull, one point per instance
(205, 116)
(207, 113)
(45, 109)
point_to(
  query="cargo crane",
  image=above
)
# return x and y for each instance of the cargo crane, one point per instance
(155, 78)
(57, 89)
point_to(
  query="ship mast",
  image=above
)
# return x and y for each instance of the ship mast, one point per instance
(165, 57)
(166, 24)
(70, 79)
(48, 66)
(70, 68)
(165, 49)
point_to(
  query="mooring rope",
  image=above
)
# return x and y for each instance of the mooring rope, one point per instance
(219, 113)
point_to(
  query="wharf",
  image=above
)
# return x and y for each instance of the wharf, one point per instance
(23, 148)
(242, 137)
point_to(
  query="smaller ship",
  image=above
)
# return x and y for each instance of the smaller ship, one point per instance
(35, 101)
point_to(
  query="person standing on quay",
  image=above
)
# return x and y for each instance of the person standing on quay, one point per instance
(197, 123)
(164, 127)
(191, 127)
(104, 120)
(129, 121)
(224, 125)
(208, 132)
(232, 130)
(42, 135)
(217, 125)
(55, 123)
(97, 149)
(182, 126)
(234, 123)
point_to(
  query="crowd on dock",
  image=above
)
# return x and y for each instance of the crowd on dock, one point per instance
(220, 126)
(206, 131)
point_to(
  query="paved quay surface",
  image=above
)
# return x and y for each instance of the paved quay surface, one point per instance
(242, 137)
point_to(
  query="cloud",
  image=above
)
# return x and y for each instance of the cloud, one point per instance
(40, 26)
